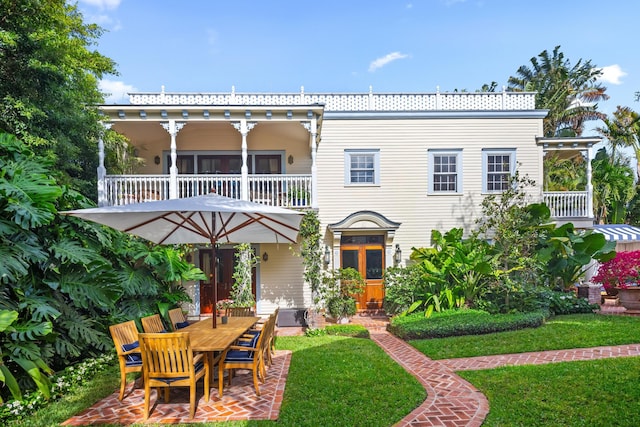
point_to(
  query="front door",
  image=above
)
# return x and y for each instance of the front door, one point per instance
(225, 268)
(365, 254)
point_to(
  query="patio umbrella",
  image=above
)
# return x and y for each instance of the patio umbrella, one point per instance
(204, 219)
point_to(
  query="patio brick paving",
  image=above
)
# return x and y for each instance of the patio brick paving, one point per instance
(239, 401)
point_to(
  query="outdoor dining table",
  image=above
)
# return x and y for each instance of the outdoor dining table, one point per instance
(214, 341)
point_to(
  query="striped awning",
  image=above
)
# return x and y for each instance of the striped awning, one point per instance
(618, 232)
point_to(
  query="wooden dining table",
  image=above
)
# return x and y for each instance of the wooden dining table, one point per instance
(214, 341)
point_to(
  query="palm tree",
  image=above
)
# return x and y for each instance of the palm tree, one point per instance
(621, 131)
(613, 188)
(568, 92)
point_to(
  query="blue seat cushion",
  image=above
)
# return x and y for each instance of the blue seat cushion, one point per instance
(133, 359)
(239, 356)
(250, 343)
(197, 368)
(181, 325)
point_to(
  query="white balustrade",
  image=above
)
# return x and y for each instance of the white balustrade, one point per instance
(125, 189)
(567, 204)
(275, 190)
(446, 101)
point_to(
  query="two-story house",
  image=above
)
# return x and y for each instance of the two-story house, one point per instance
(382, 170)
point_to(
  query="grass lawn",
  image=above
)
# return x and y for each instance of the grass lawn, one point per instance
(587, 393)
(560, 332)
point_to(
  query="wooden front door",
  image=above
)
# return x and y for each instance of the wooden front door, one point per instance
(365, 254)
(225, 267)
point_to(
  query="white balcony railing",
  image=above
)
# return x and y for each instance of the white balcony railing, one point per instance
(275, 190)
(370, 101)
(567, 204)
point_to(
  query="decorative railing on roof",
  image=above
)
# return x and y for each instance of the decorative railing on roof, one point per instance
(456, 101)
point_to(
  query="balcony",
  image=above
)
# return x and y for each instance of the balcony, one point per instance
(570, 206)
(291, 191)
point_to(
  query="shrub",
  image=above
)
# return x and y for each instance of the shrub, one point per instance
(402, 287)
(513, 296)
(462, 322)
(619, 271)
(569, 303)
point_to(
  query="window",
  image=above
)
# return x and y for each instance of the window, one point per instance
(446, 172)
(498, 166)
(362, 167)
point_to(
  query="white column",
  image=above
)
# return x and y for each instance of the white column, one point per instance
(173, 128)
(312, 127)
(102, 171)
(243, 126)
(589, 185)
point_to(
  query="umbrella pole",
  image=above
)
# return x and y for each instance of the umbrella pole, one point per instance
(214, 269)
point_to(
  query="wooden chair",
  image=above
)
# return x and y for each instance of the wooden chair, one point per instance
(168, 361)
(249, 356)
(125, 339)
(270, 345)
(153, 324)
(178, 321)
(239, 312)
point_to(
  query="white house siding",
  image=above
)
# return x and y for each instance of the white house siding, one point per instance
(402, 195)
(280, 279)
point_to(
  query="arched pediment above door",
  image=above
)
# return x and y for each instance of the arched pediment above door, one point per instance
(365, 221)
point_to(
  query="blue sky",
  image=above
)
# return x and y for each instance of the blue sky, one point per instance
(349, 45)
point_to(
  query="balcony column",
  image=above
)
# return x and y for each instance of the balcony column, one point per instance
(173, 128)
(102, 171)
(312, 127)
(589, 184)
(244, 127)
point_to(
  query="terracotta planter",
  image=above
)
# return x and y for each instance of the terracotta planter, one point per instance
(629, 298)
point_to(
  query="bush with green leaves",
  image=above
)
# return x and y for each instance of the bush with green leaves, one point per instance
(339, 288)
(569, 303)
(61, 384)
(402, 287)
(511, 295)
(462, 322)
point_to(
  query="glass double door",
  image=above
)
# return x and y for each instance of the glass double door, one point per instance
(225, 267)
(365, 254)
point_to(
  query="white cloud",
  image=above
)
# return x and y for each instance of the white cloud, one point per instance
(115, 91)
(612, 74)
(103, 4)
(381, 62)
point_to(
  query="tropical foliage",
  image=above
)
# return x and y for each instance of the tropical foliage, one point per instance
(569, 92)
(64, 280)
(614, 188)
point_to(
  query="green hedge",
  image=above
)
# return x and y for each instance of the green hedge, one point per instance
(462, 322)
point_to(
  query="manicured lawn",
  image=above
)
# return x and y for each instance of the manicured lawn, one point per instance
(589, 393)
(560, 332)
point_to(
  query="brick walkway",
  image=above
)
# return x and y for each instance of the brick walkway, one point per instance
(452, 401)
